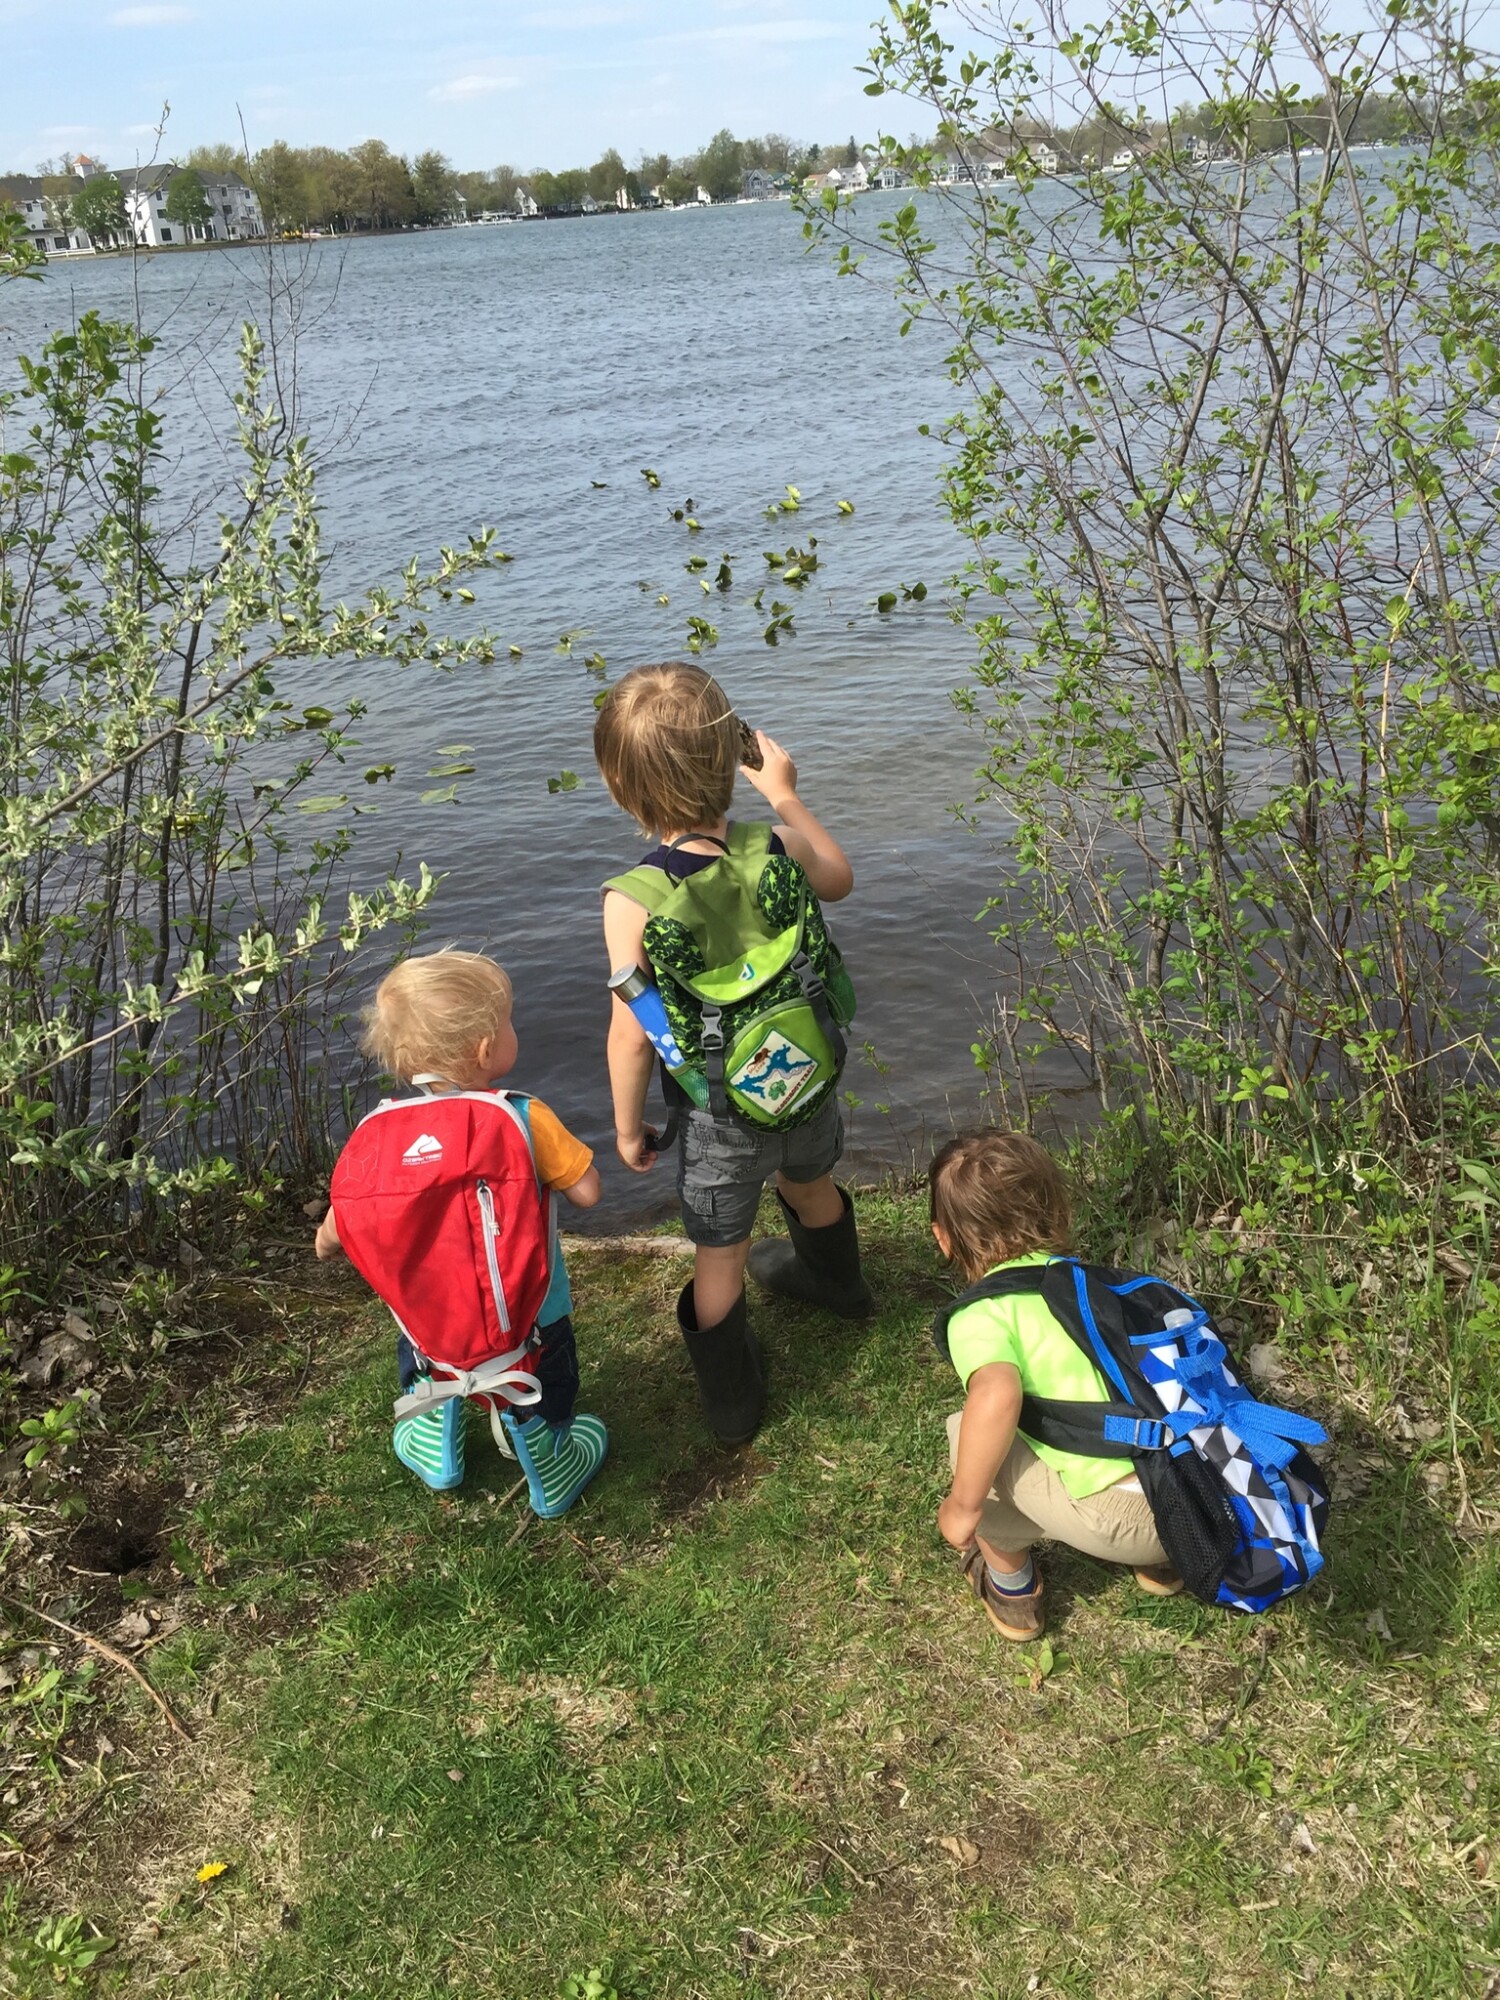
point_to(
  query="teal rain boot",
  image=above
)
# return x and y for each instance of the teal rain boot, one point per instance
(432, 1445)
(559, 1463)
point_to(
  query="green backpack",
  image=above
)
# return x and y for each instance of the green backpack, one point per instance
(754, 988)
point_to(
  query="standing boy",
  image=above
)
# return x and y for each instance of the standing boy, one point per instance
(668, 746)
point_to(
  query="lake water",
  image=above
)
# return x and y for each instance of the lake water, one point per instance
(492, 375)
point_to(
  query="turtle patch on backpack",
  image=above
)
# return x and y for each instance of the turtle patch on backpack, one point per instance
(776, 1072)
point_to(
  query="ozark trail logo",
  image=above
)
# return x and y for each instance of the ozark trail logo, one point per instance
(423, 1152)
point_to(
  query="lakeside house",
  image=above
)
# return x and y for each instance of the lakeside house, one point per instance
(234, 214)
(48, 226)
(843, 180)
(234, 208)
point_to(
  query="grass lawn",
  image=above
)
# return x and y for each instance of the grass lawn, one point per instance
(733, 1727)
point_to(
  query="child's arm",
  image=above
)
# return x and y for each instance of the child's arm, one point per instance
(585, 1190)
(803, 834)
(632, 1060)
(992, 1409)
(326, 1243)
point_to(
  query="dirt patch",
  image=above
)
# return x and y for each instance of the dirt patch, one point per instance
(586, 1717)
(1009, 1841)
(127, 1530)
(710, 1477)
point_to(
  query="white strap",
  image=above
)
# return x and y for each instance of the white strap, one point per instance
(491, 1378)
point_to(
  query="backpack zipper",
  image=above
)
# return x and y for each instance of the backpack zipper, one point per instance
(491, 1232)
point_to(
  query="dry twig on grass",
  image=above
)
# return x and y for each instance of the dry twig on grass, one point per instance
(116, 1659)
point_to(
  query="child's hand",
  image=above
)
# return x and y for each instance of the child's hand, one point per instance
(777, 777)
(637, 1150)
(957, 1524)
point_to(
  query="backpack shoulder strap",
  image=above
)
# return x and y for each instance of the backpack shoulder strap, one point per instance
(1092, 1430)
(748, 837)
(647, 885)
(1014, 1283)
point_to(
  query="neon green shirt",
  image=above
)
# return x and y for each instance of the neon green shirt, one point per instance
(1024, 1332)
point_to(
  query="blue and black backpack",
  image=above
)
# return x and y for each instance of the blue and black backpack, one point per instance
(1239, 1506)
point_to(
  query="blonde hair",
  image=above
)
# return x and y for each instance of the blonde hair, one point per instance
(430, 1014)
(998, 1195)
(667, 745)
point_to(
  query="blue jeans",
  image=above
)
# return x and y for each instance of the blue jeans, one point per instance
(554, 1363)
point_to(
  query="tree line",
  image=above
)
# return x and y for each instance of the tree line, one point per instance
(371, 187)
(1305, 120)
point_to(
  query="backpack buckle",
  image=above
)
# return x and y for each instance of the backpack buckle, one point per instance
(1140, 1433)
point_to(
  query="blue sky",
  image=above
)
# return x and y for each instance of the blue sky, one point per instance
(517, 81)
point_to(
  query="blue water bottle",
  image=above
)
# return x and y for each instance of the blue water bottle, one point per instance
(638, 991)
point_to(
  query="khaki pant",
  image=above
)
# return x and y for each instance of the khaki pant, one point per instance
(1029, 1503)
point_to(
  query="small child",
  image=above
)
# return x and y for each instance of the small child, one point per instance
(668, 745)
(426, 1233)
(999, 1199)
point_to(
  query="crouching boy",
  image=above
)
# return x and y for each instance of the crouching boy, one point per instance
(998, 1199)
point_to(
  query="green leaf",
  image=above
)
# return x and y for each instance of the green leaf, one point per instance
(451, 771)
(651, 478)
(846, 506)
(565, 781)
(454, 749)
(325, 802)
(886, 601)
(441, 795)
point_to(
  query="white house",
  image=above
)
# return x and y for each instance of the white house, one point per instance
(1122, 161)
(25, 194)
(526, 207)
(234, 209)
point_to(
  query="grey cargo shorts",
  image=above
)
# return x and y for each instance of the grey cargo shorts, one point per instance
(722, 1166)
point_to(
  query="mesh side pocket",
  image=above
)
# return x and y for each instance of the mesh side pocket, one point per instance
(1195, 1518)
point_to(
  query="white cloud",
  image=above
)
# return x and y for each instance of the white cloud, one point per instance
(464, 89)
(150, 17)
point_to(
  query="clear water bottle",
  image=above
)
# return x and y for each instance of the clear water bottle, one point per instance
(638, 990)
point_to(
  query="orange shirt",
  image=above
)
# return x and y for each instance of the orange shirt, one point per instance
(561, 1160)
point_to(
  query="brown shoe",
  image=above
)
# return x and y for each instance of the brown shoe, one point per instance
(1159, 1581)
(1017, 1618)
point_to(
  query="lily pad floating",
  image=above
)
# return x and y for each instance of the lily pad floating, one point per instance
(565, 781)
(652, 479)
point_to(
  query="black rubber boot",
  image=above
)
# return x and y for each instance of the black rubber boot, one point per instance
(820, 1267)
(730, 1369)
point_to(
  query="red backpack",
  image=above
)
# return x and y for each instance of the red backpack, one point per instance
(440, 1210)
